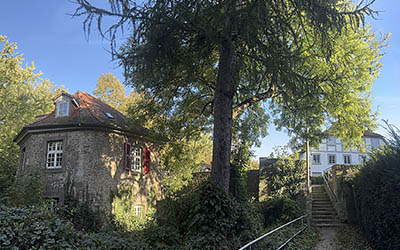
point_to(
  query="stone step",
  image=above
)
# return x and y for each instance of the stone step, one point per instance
(327, 224)
(325, 216)
(324, 212)
(326, 221)
(322, 202)
(320, 196)
(322, 207)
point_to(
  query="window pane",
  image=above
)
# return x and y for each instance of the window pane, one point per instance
(331, 140)
(59, 159)
(59, 146)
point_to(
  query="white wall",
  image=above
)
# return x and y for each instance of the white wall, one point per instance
(334, 147)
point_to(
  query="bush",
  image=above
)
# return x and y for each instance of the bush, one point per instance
(377, 196)
(25, 190)
(33, 228)
(203, 218)
(286, 177)
(279, 211)
(82, 216)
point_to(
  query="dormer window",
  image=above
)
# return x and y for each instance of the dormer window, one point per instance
(62, 109)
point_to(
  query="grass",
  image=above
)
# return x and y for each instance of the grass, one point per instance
(304, 241)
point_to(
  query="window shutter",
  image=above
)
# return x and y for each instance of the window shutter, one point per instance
(127, 156)
(147, 160)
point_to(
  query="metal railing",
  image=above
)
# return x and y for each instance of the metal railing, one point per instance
(302, 228)
(327, 175)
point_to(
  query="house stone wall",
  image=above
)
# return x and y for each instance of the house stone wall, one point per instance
(92, 168)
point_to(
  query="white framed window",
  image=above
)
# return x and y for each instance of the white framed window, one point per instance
(331, 159)
(136, 156)
(347, 159)
(138, 210)
(316, 159)
(54, 154)
(52, 204)
(331, 140)
(62, 109)
(374, 143)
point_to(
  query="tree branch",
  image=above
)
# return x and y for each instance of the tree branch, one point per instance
(238, 109)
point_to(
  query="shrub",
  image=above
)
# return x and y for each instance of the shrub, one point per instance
(203, 218)
(377, 196)
(26, 190)
(33, 228)
(286, 177)
(82, 216)
(279, 211)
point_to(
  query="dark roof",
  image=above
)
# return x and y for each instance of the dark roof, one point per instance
(90, 112)
(372, 134)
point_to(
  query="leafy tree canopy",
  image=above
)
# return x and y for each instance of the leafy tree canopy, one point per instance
(110, 90)
(23, 96)
(207, 63)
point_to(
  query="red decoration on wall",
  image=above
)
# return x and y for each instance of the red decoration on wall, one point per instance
(147, 160)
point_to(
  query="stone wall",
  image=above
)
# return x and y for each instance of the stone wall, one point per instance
(92, 168)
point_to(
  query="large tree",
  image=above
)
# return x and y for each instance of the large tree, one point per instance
(207, 61)
(110, 90)
(23, 96)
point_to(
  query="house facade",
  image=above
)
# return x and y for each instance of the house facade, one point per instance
(331, 152)
(85, 149)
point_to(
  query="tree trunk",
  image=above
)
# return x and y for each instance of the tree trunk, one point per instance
(224, 92)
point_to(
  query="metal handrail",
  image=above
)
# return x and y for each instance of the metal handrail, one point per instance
(276, 229)
(329, 185)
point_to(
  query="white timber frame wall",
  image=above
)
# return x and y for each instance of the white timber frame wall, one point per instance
(331, 152)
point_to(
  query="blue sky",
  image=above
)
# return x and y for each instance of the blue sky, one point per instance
(56, 43)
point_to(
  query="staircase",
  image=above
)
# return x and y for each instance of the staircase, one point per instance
(323, 212)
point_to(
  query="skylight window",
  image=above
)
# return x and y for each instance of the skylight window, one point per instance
(109, 115)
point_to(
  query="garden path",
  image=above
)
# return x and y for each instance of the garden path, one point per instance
(328, 239)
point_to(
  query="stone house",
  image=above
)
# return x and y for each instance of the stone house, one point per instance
(85, 149)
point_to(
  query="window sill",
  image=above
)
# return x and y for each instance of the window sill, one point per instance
(54, 170)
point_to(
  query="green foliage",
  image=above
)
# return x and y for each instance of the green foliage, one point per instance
(33, 228)
(203, 218)
(241, 162)
(23, 96)
(30, 228)
(207, 62)
(111, 91)
(279, 210)
(123, 216)
(286, 177)
(378, 198)
(81, 215)
(307, 240)
(25, 191)
(183, 157)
